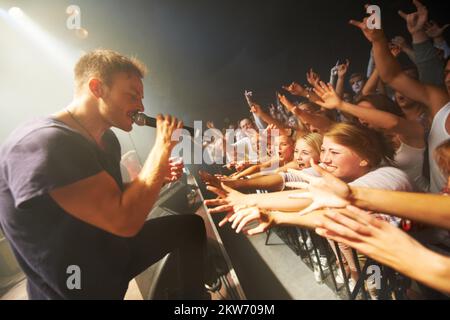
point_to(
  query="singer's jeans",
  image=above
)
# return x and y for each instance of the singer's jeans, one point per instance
(184, 234)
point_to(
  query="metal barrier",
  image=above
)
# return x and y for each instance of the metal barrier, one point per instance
(372, 280)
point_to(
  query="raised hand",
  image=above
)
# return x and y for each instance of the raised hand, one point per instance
(256, 109)
(312, 77)
(343, 68)
(415, 21)
(329, 96)
(285, 102)
(325, 191)
(273, 111)
(433, 30)
(210, 125)
(295, 89)
(371, 34)
(242, 217)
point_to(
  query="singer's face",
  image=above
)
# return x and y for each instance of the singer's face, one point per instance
(122, 99)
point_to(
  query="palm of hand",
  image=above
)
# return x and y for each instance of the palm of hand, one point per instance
(326, 194)
(331, 100)
(245, 215)
(416, 21)
(327, 191)
(313, 79)
(295, 88)
(385, 242)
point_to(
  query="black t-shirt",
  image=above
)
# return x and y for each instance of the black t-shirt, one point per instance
(37, 158)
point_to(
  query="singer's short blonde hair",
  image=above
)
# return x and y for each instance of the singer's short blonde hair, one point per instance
(104, 64)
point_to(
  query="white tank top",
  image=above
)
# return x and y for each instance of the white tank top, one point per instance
(410, 160)
(438, 134)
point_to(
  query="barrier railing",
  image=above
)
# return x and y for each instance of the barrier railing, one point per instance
(368, 281)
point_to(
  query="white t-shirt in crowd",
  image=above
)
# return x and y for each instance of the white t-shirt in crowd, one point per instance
(438, 134)
(386, 178)
(410, 160)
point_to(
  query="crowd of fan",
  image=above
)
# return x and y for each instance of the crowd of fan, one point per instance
(355, 167)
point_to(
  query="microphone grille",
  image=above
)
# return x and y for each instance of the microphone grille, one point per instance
(139, 119)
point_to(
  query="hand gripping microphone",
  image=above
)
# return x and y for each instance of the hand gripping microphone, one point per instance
(143, 120)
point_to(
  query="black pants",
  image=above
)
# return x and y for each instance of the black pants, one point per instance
(184, 234)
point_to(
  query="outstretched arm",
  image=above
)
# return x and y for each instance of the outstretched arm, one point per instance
(391, 73)
(256, 109)
(411, 132)
(329, 191)
(297, 90)
(386, 244)
(342, 71)
(413, 206)
(228, 198)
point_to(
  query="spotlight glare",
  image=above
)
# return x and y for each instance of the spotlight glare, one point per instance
(16, 13)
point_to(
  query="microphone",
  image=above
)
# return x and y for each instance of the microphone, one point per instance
(142, 119)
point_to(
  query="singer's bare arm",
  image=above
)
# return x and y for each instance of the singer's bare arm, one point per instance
(98, 200)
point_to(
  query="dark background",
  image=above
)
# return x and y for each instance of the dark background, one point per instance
(202, 54)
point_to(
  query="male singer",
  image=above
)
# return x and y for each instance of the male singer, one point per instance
(63, 205)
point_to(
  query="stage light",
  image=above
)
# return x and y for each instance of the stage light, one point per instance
(16, 13)
(55, 48)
